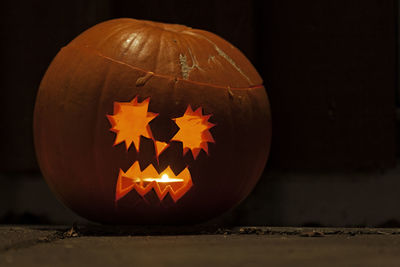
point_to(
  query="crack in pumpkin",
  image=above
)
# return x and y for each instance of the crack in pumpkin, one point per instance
(185, 69)
(230, 60)
(221, 53)
(184, 66)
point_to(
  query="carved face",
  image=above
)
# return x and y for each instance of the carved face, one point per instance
(131, 121)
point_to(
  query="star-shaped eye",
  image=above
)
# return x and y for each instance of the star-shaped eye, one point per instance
(194, 131)
(131, 121)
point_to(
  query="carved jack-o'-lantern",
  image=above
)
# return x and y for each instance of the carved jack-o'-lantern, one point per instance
(144, 122)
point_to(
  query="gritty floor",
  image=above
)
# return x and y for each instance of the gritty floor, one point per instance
(162, 246)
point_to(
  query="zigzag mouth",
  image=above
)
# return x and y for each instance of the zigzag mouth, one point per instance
(166, 182)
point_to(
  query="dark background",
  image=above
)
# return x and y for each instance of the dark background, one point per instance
(330, 70)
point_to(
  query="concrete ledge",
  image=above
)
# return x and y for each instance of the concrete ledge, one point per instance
(87, 245)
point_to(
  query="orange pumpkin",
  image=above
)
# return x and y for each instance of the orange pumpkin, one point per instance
(142, 122)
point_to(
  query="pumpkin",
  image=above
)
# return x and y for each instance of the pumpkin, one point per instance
(139, 122)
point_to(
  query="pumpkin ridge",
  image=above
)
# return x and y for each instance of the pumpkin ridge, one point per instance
(161, 75)
(97, 126)
(186, 70)
(159, 51)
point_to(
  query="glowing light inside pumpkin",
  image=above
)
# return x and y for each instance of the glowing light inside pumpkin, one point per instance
(130, 121)
(159, 147)
(194, 131)
(164, 179)
(148, 179)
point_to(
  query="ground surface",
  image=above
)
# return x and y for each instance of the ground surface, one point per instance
(207, 246)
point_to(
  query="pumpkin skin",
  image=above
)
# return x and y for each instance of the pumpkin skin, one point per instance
(172, 67)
